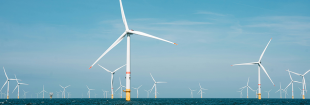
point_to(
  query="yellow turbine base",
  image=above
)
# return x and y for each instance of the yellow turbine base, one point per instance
(127, 94)
(292, 97)
(155, 96)
(18, 97)
(259, 96)
(247, 96)
(111, 96)
(51, 97)
(7, 97)
(303, 96)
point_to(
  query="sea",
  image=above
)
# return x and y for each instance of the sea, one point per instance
(157, 101)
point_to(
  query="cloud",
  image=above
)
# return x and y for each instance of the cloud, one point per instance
(210, 13)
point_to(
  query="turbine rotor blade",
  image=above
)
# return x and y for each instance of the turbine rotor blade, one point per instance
(252, 63)
(152, 78)
(261, 56)
(105, 68)
(151, 36)
(15, 88)
(265, 72)
(3, 85)
(119, 68)
(123, 15)
(306, 72)
(5, 74)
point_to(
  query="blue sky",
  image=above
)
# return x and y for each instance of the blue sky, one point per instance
(55, 42)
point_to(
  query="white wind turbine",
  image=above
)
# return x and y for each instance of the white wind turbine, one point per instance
(17, 86)
(64, 92)
(43, 91)
(7, 81)
(155, 84)
(137, 90)
(247, 88)
(57, 94)
(259, 66)
(303, 82)
(127, 33)
(112, 77)
(201, 90)
(105, 93)
(191, 92)
(89, 91)
(147, 91)
(120, 87)
(280, 90)
(25, 93)
(291, 83)
(268, 92)
(240, 92)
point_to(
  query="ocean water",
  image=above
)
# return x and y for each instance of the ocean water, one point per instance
(158, 101)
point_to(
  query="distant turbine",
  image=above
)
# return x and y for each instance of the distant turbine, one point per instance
(303, 82)
(268, 92)
(127, 33)
(155, 83)
(247, 88)
(57, 94)
(280, 91)
(292, 82)
(191, 92)
(25, 93)
(240, 92)
(259, 66)
(43, 91)
(112, 77)
(200, 91)
(68, 94)
(64, 92)
(89, 91)
(137, 90)
(147, 91)
(7, 81)
(120, 87)
(17, 86)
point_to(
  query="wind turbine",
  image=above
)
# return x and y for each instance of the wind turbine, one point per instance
(57, 94)
(137, 90)
(280, 91)
(201, 90)
(291, 83)
(89, 91)
(17, 86)
(268, 92)
(25, 93)
(155, 83)
(128, 33)
(120, 87)
(7, 81)
(147, 91)
(43, 91)
(247, 88)
(191, 92)
(68, 94)
(259, 66)
(64, 92)
(303, 82)
(112, 77)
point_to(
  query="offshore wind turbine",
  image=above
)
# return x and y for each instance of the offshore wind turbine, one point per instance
(201, 90)
(259, 66)
(64, 92)
(147, 91)
(280, 91)
(127, 33)
(191, 92)
(112, 77)
(155, 84)
(17, 86)
(43, 91)
(291, 83)
(303, 82)
(7, 81)
(247, 88)
(137, 90)
(89, 91)
(25, 93)
(268, 92)
(120, 87)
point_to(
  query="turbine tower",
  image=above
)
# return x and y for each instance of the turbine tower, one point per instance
(268, 92)
(43, 91)
(128, 33)
(303, 82)
(112, 77)
(259, 66)
(137, 90)
(191, 92)
(155, 83)
(247, 88)
(120, 87)
(291, 83)
(201, 90)
(89, 91)
(280, 90)
(64, 92)
(7, 81)
(17, 86)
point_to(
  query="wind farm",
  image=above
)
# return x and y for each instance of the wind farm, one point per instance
(50, 49)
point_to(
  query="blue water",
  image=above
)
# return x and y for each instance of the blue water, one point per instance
(158, 101)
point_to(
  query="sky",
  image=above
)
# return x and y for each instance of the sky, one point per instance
(53, 43)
